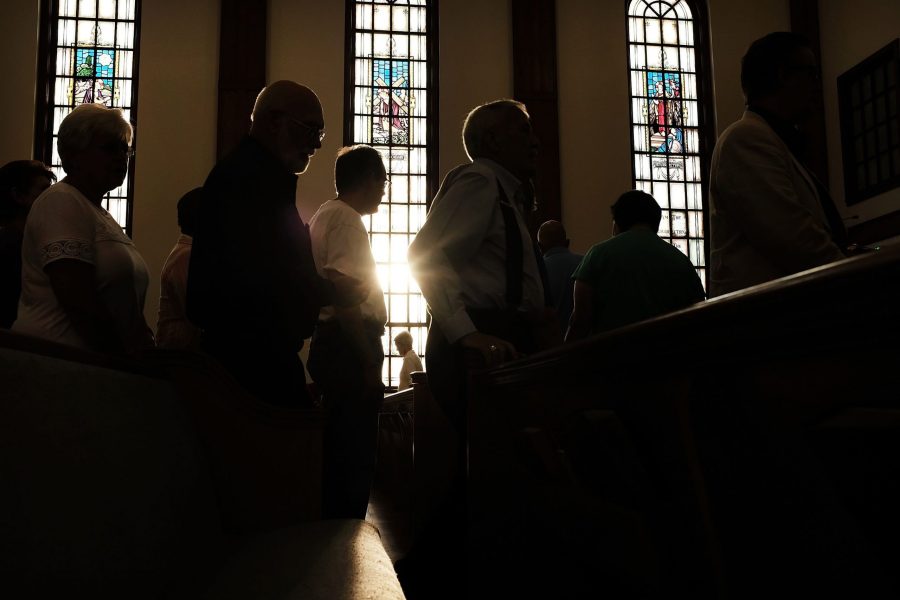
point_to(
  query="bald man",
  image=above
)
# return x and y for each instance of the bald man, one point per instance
(252, 284)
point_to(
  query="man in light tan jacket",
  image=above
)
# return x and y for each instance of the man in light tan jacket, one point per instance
(769, 216)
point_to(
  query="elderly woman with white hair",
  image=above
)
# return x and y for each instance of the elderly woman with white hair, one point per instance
(83, 281)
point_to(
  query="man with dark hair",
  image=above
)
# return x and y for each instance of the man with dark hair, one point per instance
(21, 182)
(252, 287)
(345, 355)
(769, 215)
(560, 263)
(173, 329)
(633, 276)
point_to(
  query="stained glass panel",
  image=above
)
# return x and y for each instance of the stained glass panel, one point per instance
(93, 62)
(389, 110)
(665, 119)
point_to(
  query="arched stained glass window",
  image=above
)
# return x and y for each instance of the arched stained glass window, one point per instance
(391, 104)
(666, 116)
(88, 53)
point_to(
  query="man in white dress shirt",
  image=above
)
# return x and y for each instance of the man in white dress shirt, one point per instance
(474, 257)
(345, 354)
(477, 266)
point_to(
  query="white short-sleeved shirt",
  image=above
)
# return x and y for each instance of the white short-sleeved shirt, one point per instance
(340, 242)
(411, 364)
(64, 224)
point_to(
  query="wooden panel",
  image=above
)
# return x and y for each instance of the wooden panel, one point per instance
(534, 83)
(242, 68)
(716, 401)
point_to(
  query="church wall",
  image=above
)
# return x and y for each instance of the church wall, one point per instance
(18, 41)
(176, 122)
(851, 32)
(306, 44)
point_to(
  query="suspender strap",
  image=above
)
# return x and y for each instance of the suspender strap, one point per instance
(514, 254)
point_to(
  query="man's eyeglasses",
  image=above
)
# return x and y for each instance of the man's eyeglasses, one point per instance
(309, 129)
(117, 148)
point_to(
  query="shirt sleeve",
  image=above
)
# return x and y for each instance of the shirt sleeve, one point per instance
(346, 248)
(451, 235)
(60, 227)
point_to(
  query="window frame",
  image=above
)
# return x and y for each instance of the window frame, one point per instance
(706, 116)
(432, 122)
(48, 38)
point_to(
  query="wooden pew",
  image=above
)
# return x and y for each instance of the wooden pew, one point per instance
(685, 441)
(125, 479)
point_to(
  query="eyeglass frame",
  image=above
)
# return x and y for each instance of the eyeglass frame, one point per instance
(320, 133)
(113, 147)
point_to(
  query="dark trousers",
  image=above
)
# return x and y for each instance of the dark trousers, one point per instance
(351, 430)
(440, 550)
(275, 377)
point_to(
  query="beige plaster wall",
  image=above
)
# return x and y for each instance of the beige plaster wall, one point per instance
(734, 26)
(18, 42)
(306, 45)
(850, 32)
(475, 67)
(176, 122)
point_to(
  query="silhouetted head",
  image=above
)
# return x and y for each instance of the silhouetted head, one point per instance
(21, 182)
(189, 211)
(404, 342)
(360, 177)
(94, 147)
(288, 121)
(501, 131)
(635, 209)
(552, 234)
(779, 72)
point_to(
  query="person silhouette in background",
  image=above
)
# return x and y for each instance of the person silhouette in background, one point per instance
(411, 362)
(173, 329)
(560, 263)
(21, 182)
(635, 275)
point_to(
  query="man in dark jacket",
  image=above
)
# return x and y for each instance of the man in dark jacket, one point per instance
(252, 286)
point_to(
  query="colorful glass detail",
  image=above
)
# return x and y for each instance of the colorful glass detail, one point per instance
(94, 71)
(391, 104)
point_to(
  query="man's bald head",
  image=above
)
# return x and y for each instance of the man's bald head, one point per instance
(288, 121)
(552, 234)
(286, 97)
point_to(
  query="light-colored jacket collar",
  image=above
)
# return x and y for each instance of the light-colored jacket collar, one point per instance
(751, 116)
(508, 181)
